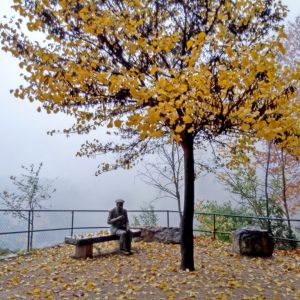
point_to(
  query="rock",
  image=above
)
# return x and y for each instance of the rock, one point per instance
(253, 241)
(161, 234)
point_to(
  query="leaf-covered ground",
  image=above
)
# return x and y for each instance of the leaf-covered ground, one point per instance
(151, 273)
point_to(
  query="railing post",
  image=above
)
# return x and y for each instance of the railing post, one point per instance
(31, 229)
(72, 223)
(28, 230)
(214, 230)
(269, 225)
(168, 219)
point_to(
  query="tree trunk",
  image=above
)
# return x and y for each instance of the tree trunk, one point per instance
(267, 185)
(179, 205)
(176, 158)
(187, 243)
(284, 196)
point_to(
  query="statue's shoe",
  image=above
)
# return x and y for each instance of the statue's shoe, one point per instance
(126, 252)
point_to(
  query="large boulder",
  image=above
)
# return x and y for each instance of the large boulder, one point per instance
(161, 234)
(253, 241)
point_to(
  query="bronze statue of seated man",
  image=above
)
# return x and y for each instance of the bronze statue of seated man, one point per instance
(118, 219)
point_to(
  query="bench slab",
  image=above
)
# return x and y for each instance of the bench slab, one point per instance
(84, 246)
(89, 240)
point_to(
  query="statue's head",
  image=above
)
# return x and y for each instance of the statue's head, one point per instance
(120, 204)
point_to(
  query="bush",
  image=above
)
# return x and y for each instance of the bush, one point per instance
(146, 218)
(4, 251)
(224, 225)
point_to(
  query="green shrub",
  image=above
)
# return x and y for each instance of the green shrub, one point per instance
(224, 225)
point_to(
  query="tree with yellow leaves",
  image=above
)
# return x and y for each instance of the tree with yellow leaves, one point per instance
(159, 70)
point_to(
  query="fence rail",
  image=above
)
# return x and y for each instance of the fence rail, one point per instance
(34, 224)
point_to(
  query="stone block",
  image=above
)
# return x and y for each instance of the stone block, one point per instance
(253, 241)
(84, 251)
(161, 234)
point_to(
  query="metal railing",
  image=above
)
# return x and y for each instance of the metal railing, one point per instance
(264, 222)
(75, 221)
(69, 222)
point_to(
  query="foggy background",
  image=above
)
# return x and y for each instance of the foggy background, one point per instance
(24, 140)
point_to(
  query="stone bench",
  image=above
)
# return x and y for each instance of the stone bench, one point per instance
(84, 245)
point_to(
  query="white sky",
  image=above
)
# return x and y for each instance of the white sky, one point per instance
(24, 141)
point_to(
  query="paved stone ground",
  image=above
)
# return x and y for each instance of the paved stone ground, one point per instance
(151, 273)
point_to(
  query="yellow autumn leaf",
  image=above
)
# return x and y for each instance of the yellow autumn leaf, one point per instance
(281, 48)
(245, 127)
(229, 52)
(261, 68)
(201, 37)
(189, 44)
(179, 128)
(245, 62)
(153, 70)
(83, 12)
(157, 134)
(90, 285)
(110, 124)
(118, 123)
(102, 77)
(162, 285)
(254, 55)
(187, 119)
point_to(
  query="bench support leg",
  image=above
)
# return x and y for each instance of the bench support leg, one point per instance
(84, 251)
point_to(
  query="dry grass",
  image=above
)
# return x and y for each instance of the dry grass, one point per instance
(151, 273)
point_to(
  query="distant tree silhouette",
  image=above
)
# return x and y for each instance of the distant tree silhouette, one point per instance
(29, 195)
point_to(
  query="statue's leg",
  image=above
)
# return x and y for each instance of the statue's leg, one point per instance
(122, 241)
(128, 240)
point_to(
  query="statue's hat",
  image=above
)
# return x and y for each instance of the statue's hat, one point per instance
(120, 201)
